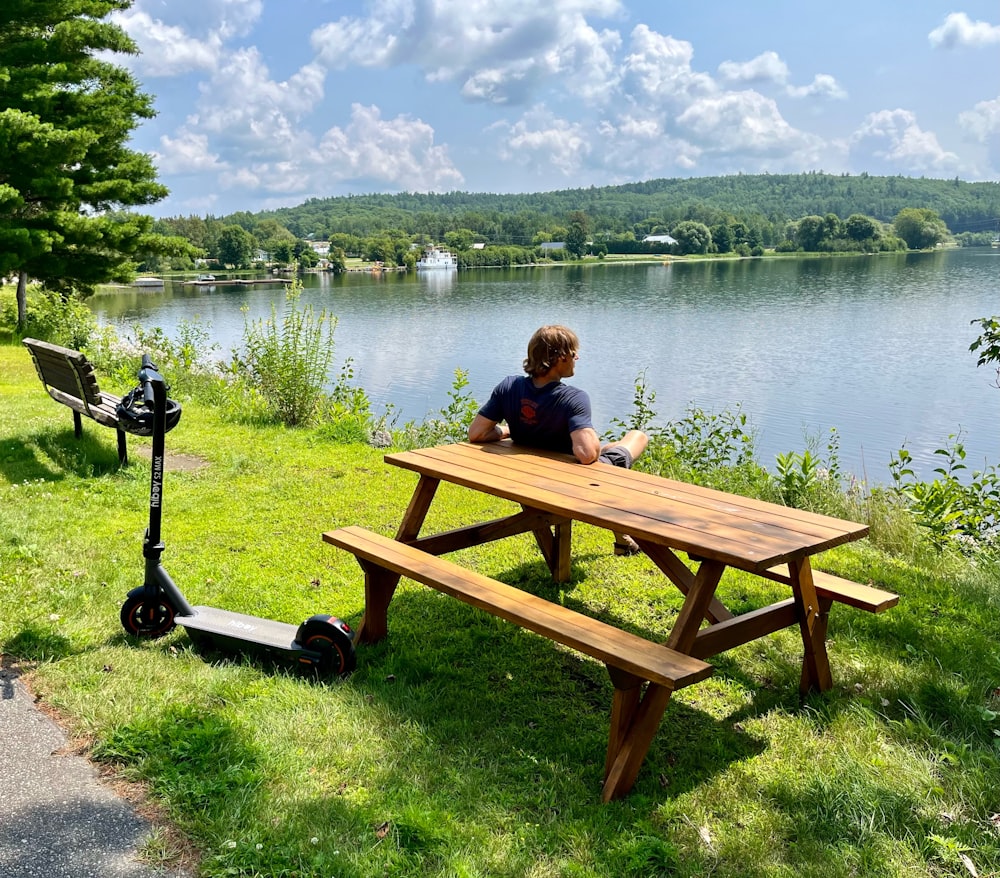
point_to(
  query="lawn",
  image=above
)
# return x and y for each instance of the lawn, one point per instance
(462, 746)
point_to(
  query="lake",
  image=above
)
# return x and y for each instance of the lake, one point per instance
(876, 347)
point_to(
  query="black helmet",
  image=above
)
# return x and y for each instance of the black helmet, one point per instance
(134, 416)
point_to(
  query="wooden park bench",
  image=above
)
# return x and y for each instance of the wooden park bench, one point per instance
(630, 660)
(69, 379)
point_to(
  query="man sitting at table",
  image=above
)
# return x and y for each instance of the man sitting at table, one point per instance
(542, 412)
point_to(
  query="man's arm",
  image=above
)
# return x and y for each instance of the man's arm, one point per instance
(482, 429)
(586, 444)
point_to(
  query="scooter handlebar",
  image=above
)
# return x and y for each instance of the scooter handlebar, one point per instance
(147, 376)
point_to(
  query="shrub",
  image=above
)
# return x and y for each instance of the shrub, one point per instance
(63, 320)
(450, 424)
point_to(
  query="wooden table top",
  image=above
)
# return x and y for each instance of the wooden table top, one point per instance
(749, 534)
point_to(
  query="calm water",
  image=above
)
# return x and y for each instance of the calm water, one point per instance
(876, 347)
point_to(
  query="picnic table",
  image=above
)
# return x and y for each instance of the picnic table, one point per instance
(667, 518)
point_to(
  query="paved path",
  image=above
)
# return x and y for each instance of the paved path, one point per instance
(57, 819)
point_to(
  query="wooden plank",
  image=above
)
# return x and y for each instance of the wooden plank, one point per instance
(610, 645)
(743, 628)
(641, 490)
(854, 594)
(65, 369)
(844, 591)
(691, 532)
(754, 515)
(729, 503)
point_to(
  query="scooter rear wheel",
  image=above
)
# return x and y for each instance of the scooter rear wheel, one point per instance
(333, 640)
(147, 616)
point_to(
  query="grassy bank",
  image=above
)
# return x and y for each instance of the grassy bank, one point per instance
(462, 746)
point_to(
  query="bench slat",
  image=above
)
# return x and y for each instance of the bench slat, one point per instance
(854, 594)
(620, 649)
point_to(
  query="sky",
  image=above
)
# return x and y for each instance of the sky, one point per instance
(267, 103)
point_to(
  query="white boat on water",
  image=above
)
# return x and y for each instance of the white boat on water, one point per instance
(435, 258)
(148, 282)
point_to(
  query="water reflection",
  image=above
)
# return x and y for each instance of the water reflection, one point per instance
(874, 346)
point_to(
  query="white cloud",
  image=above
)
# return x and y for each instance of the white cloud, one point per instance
(253, 114)
(983, 120)
(186, 35)
(167, 49)
(959, 30)
(769, 68)
(822, 86)
(982, 123)
(894, 138)
(540, 141)
(766, 67)
(500, 53)
(400, 152)
(658, 70)
(186, 154)
(225, 18)
(743, 123)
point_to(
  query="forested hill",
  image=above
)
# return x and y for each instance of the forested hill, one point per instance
(964, 207)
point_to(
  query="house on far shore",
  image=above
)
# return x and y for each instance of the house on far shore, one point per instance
(659, 239)
(552, 245)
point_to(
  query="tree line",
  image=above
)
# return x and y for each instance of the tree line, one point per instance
(262, 239)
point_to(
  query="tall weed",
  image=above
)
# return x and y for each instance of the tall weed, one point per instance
(285, 362)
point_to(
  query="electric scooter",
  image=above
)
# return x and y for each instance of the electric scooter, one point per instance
(322, 644)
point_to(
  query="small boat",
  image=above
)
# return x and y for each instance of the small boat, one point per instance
(206, 278)
(435, 258)
(148, 282)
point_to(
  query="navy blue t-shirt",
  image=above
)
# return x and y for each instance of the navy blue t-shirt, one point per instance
(542, 417)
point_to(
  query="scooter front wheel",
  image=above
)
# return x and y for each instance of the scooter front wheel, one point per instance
(148, 616)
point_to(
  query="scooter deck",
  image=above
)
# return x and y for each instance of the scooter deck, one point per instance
(236, 629)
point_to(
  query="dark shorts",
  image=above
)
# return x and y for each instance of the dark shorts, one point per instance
(617, 455)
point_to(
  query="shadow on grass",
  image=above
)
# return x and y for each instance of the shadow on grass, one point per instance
(50, 455)
(38, 643)
(474, 682)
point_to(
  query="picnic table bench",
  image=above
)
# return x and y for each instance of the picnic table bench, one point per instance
(714, 529)
(69, 378)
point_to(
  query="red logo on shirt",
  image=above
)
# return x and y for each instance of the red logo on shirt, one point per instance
(529, 412)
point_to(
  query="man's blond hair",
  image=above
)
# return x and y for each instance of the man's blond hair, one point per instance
(547, 346)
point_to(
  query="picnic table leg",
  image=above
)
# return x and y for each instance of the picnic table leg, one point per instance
(697, 602)
(635, 718)
(812, 623)
(416, 512)
(675, 570)
(380, 584)
(556, 544)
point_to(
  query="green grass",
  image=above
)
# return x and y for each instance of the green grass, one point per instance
(463, 746)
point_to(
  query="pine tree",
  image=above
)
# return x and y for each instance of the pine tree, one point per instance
(68, 178)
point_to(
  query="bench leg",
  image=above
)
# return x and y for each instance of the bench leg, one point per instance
(122, 449)
(635, 718)
(380, 586)
(815, 663)
(77, 425)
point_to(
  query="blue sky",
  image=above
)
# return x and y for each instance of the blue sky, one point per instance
(265, 103)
